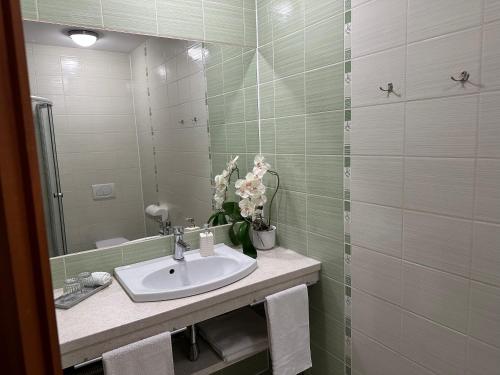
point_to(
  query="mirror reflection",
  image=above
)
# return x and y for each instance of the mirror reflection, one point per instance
(131, 130)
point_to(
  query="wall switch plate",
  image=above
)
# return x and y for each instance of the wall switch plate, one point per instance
(103, 191)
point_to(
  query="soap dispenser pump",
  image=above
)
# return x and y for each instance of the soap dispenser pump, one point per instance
(206, 242)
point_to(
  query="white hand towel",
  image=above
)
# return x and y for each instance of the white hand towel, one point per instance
(288, 327)
(151, 356)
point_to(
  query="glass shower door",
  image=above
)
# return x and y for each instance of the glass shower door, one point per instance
(49, 174)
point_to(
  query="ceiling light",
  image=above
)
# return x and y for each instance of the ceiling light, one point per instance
(84, 38)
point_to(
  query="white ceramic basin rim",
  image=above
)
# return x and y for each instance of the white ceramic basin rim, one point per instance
(165, 278)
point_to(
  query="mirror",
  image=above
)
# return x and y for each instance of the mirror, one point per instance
(131, 122)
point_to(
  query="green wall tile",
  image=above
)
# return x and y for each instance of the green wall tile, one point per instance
(268, 136)
(324, 362)
(223, 23)
(291, 207)
(325, 216)
(324, 175)
(290, 135)
(328, 296)
(292, 171)
(234, 106)
(28, 9)
(251, 105)
(58, 272)
(250, 27)
(236, 139)
(325, 43)
(250, 68)
(215, 79)
(289, 96)
(147, 250)
(325, 89)
(213, 54)
(266, 63)
(130, 15)
(317, 10)
(219, 162)
(180, 18)
(287, 17)
(216, 110)
(292, 238)
(249, 4)
(266, 100)
(252, 136)
(289, 55)
(94, 260)
(233, 74)
(327, 331)
(325, 133)
(230, 52)
(218, 139)
(331, 254)
(265, 26)
(71, 12)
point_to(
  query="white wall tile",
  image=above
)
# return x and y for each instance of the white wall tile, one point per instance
(489, 125)
(378, 130)
(485, 313)
(376, 273)
(491, 57)
(442, 127)
(431, 63)
(440, 185)
(487, 190)
(389, 67)
(371, 358)
(377, 180)
(491, 10)
(437, 241)
(436, 347)
(377, 319)
(429, 18)
(378, 25)
(485, 264)
(377, 227)
(437, 295)
(482, 359)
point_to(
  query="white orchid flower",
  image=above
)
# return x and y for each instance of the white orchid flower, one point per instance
(247, 208)
(221, 183)
(219, 200)
(232, 164)
(260, 165)
(250, 187)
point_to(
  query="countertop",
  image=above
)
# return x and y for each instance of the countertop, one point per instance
(110, 319)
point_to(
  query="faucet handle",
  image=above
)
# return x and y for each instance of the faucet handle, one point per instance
(178, 230)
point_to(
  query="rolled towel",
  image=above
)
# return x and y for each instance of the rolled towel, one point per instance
(101, 278)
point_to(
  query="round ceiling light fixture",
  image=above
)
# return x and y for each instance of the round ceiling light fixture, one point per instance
(84, 38)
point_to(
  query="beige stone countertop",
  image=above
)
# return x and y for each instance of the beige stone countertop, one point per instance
(110, 319)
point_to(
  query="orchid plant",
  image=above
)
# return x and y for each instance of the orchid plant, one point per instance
(248, 212)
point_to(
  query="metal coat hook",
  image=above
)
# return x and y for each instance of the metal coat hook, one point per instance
(464, 77)
(389, 89)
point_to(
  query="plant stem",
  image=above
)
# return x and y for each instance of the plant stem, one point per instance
(274, 195)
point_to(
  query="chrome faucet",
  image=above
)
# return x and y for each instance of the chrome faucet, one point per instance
(179, 245)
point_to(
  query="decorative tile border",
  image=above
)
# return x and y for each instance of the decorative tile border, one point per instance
(347, 188)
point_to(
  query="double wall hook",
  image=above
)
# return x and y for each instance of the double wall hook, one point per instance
(389, 89)
(464, 77)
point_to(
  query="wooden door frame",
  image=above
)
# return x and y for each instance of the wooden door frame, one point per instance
(28, 330)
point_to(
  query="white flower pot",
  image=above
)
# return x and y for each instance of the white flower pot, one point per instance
(264, 240)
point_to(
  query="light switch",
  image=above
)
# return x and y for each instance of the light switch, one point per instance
(103, 191)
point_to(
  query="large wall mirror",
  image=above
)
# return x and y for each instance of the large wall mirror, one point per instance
(131, 122)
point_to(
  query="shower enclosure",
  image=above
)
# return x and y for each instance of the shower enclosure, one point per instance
(49, 175)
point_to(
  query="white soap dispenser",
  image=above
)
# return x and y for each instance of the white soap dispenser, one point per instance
(206, 242)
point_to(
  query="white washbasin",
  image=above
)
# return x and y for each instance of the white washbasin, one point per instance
(165, 278)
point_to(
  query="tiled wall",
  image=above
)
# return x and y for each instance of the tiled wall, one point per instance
(96, 139)
(172, 127)
(301, 85)
(227, 21)
(111, 257)
(231, 74)
(425, 187)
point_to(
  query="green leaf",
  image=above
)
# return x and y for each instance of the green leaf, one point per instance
(222, 218)
(244, 237)
(211, 218)
(233, 236)
(216, 220)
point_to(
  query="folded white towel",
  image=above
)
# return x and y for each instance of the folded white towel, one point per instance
(288, 327)
(151, 356)
(101, 278)
(236, 335)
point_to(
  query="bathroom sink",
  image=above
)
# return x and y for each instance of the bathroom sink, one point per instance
(165, 278)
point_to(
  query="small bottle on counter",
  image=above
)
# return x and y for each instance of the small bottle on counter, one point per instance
(206, 242)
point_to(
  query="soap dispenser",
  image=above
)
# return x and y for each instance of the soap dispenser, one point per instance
(206, 242)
